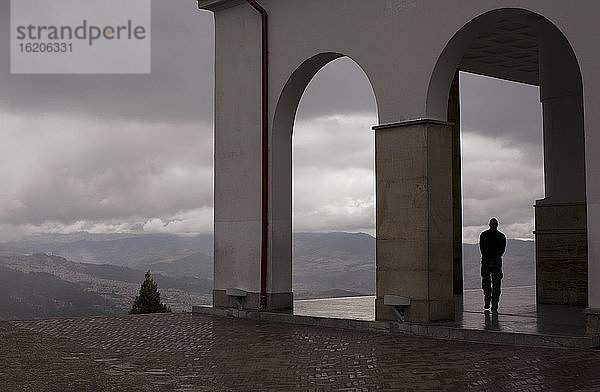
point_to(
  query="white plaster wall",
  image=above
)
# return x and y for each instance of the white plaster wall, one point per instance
(591, 93)
(237, 150)
(397, 43)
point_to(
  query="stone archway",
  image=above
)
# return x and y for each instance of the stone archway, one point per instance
(411, 53)
(522, 46)
(279, 278)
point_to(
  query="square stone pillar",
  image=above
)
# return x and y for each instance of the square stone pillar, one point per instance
(561, 217)
(561, 253)
(413, 163)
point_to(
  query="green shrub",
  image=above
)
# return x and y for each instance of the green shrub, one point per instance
(149, 299)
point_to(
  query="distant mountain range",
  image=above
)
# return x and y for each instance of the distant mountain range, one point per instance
(127, 250)
(326, 261)
(518, 264)
(49, 285)
(40, 294)
(323, 261)
(111, 266)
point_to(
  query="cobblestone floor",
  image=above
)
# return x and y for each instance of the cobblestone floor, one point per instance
(185, 352)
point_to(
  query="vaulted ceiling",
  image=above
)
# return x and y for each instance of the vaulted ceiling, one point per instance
(507, 50)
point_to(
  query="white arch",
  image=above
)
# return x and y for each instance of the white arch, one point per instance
(279, 278)
(561, 92)
(452, 54)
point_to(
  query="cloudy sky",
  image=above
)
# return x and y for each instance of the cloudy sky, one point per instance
(133, 153)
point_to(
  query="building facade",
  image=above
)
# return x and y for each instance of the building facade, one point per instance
(267, 51)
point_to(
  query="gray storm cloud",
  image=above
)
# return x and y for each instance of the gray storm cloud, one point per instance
(502, 159)
(334, 153)
(113, 152)
(70, 169)
(179, 89)
(134, 152)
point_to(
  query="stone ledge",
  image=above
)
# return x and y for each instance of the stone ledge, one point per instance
(250, 301)
(416, 329)
(407, 123)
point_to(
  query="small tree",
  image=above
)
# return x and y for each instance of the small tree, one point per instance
(149, 299)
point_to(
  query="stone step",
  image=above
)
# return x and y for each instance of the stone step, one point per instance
(427, 330)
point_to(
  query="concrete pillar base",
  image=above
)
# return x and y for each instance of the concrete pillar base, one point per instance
(423, 311)
(413, 161)
(275, 301)
(561, 253)
(592, 321)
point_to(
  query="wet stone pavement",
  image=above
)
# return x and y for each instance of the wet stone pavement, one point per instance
(185, 352)
(518, 312)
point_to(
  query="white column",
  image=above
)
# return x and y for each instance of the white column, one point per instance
(561, 220)
(238, 160)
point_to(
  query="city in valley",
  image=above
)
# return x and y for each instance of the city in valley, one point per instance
(83, 274)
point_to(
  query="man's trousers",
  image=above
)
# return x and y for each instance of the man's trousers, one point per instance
(491, 279)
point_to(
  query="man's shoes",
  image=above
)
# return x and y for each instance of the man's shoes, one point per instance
(487, 303)
(495, 308)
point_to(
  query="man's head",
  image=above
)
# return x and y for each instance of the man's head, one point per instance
(494, 223)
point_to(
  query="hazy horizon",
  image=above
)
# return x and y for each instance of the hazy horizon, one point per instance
(210, 233)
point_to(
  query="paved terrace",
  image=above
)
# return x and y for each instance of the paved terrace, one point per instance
(194, 352)
(518, 312)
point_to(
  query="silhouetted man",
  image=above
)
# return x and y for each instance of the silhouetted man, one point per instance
(492, 244)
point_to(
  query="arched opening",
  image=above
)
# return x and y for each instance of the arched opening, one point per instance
(502, 173)
(324, 117)
(522, 46)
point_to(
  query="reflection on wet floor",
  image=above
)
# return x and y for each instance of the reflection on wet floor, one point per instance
(355, 308)
(518, 312)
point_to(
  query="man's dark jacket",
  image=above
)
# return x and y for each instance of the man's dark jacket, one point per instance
(492, 244)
